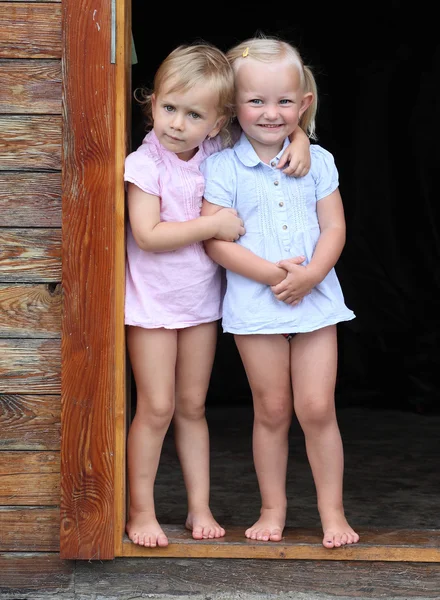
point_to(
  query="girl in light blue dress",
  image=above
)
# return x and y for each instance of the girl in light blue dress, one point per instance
(283, 298)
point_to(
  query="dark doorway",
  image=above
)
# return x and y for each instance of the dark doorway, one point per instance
(377, 76)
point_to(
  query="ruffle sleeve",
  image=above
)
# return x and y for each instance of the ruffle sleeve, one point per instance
(141, 169)
(324, 171)
(220, 178)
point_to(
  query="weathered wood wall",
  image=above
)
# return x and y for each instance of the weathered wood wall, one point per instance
(30, 274)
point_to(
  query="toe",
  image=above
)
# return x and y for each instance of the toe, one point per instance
(276, 535)
(197, 533)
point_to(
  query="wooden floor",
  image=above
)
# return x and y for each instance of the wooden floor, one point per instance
(299, 544)
(45, 576)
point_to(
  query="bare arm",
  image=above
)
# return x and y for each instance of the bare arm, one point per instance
(153, 235)
(239, 259)
(332, 239)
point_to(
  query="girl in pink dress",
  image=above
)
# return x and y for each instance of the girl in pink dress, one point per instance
(173, 289)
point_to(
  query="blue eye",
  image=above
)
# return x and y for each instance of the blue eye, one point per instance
(168, 108)
(256, 101)
(285, 101)
(194, 115)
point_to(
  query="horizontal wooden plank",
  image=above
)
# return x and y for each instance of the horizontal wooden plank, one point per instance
(29, 422)
(30, 199)
(28, 310)
(30, 143)
(30, 366)
(43, 573)
(376, 544)
(29, 529)
(30, 30)
(222, 579)
(30, 87)
(29, 478)
(28, 255)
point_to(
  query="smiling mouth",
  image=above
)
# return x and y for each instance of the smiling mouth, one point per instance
(267, 126)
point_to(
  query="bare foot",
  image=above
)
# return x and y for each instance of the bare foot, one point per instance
(269, 526)
(144, 530)
(337, 531)
(203, 525)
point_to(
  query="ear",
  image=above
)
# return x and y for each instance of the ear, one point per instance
(153, 104)
(217, 127)
(306, 101)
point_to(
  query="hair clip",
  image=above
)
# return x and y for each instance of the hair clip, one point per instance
(246, 52)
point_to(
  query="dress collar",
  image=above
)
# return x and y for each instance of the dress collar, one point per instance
(247, 155)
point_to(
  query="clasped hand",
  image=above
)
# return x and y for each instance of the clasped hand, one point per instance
(297, 283)
(229, 225)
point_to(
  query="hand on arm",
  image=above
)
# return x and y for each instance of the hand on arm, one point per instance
(153, 235)
(239, 259)
(302, 279)
(297, 155)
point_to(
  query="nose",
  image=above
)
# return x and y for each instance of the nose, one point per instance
(177, 121)
(271, 112)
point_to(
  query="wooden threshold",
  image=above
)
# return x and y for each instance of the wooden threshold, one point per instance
(407, 545)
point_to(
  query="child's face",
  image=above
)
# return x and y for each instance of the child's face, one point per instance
(183, 119)
(269, 103)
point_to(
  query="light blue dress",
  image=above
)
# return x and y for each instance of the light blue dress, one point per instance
(280, 218)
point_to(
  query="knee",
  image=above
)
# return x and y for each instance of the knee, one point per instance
(273, 413)
(315, 413)
(157, 415)
(190, 407)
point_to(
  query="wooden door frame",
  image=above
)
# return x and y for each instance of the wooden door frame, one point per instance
(96, 110)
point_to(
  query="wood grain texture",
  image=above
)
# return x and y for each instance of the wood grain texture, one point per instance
(30, 365)
(30, 142)
(30, 30)
(30, 87)
(29, 529)
(30, 422)
(30, 199)
(28, 255)
(88, 325)
(376, 545)
(24, 574)
(28, 310)
(29, 478)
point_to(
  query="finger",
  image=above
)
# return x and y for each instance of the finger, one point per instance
(283, 160)
(293, 171)
(288, 262)
(290, 168)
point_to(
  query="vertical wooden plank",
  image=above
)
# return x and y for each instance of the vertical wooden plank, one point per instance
(88, 328)
(123, 128)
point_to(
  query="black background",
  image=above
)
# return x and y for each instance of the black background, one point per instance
(377, 70)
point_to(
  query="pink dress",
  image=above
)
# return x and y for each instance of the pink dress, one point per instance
(183, 287)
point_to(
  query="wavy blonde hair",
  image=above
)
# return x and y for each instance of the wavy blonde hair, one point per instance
(188, 65)
(271, 49)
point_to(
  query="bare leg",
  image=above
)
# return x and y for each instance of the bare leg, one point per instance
(266, 361)
(313, 367)
(153, 359)
(195, 357)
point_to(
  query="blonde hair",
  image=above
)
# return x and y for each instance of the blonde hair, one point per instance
(270, 49)
(188, 65)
